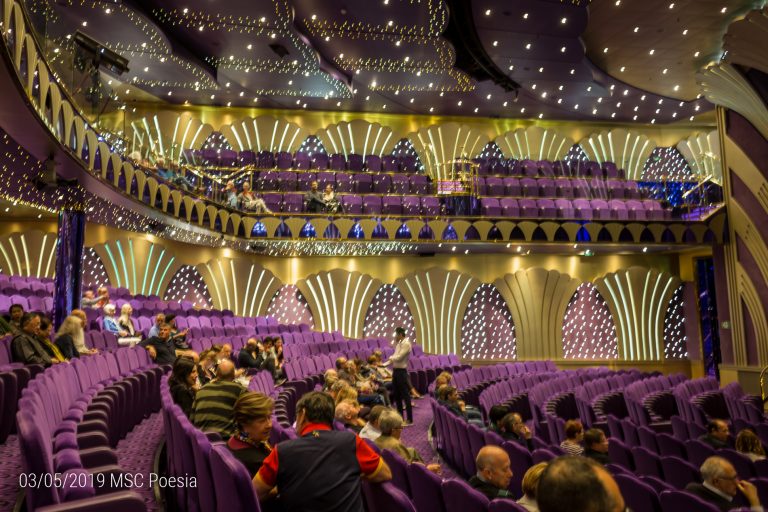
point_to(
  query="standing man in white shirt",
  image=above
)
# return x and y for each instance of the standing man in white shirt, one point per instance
(400, 387)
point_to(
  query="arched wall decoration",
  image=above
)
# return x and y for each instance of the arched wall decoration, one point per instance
(264, 133)
(94, 271)
(138, 264)
(438, 299)
(675, 339)
(724, 85)
(168, 135)
(188, 285)
(702, 152)
(589, 331)
(744, 43)
(487, 330)
(627, 149)
(28, 254)
(388, 310)
(666, 164)
(242, 287)
(339, 299)
(437, 145)
(537, 299)
(638, 298)
(359, 137)
(534, 143)
(289, 306)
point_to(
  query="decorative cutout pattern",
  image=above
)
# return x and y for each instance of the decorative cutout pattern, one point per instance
(94, 272)
(388, 310)
(675, 340)
(137, 264)
(167, 135)
(188, 285)
(438, 145)
(588, 330)
(487, 331)
(702, 152)
(289, 306)
(666, 164)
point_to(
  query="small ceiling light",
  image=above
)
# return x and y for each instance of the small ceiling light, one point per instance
(476, 110)
(685, 32)
(723, 10)
(544, 94)
(622, 69)
(272, 35)
(672, 5)
(250, 47)
(488, 12)
(146, 69)
(563, 21)
(576, 107)
(459, 103)
(488, 97)
(605, 50)
(562, 50)
(525, 16)
(314, 17)
(696, 54)
(560, 87)
(108, 10)
(495, 43)
(573, 71)
(185, 11)
(411, 100)
(634, 118)
(85, 23)
(676, 88)
(262, 19)
(200, 28)
(528, 46)
(431, 109)
(651, 52)
(541, 116)
(511, 68)
(541, 70)
(390, 23)
(522, 110)
(664, 71)
(397, 43)
(642, 98)
(637, 29)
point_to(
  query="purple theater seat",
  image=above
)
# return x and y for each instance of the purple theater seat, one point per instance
(565, 209)
(247, 157)
(545, 168)
(646, 462)
(679, 472)
(372, 163)
(458, 496)
(284, 160)
(232, 484)
(386, 497)
(529, 168)
(636, 210)
(293, 203)
(509, 207)
(354, 162)
(408, 163)
(593, 169)
(399, 468)
(338, 162)
(600, 209)
(547, 208)
(326, 178)
(287, 181)
(637, 494)
(631, 190)
(580, 188)
(362, 183)
(620, 454)
(529, 187)
(547, 187)
(618, 209)
(302, 161)
(615, 189)
(390, 163)
(420, 184)
(505, 505)
(392, 205)
(352, 204)
(653, 209)
(273, 201)
(430, 206)
(411, 205)
(489, 206)
(372, 205)
(319, 161)
(381, 183)
(610, 170)
(428, 496)
(269, 180)
(583, 209)
(677, 501)
(528, 208)
(344, 182)
(480, 188)
(400, 184)
(227, 158)
(512, 187)
(494, 186)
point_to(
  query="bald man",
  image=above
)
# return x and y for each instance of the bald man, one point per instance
(722, 484)
(493, 472)
(578, 484)
(213, 410)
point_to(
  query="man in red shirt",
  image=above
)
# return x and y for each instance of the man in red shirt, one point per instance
(320, 471)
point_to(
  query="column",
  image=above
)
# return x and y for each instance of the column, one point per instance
(69, 263)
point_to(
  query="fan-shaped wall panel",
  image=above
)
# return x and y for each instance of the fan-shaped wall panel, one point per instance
(188, 285)
(638, 299)
(339, 299)
(588, 328)
(359, 136)
(167, 134)
(534, 143)
(240, 286)
(28, 254)
(438, 299)
(387, 311)
(438, 145)
(264, 133)
(744, 43)
(538, 299)
(289, 306)
(702, 152)
(137, 264)
(488, 331)
(627, 149)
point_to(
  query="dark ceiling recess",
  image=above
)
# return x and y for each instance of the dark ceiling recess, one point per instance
(279, 49)
(471, 57)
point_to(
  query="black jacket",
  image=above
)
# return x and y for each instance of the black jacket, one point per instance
(702, 492)
(491, 491)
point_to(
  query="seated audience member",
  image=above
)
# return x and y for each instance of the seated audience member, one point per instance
(574, 435)
(250, 201)
(225, 354)
(25, 348)
(332, 203)
(449, 397)
(253, 424)
(717, 435)
(721, 484)
(44, 337)
(578, 484)
(330, 377)
(248, 357)
(65, 337)
(391, 425)
(313, 200)
(749, 444)
(155, 329)
(206, 368)
(89, 299)
(79, 337)
(110, 322)
(279, 356)
(493, 472)
(371, 429)
(596, 446)
(183, 384)
(125, 323)
(213, 410)
(347, 413)
(103, 294)
(513, 428)
(230, 194)
(162, 349)
(529, 484)
(14, 317)
(268, 359)
(179, 337)
(321, 470)
(443, 379)
(495, 416)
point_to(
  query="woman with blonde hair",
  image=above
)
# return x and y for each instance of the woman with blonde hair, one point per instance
(128, 334)
(65, 336)
(253, 419)
(530, 484)
(749, 445)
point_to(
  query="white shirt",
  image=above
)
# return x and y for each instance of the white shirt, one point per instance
(370, 432)
(402, 353)
(728, 497)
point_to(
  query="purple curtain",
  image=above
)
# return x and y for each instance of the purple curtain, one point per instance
(69, 264)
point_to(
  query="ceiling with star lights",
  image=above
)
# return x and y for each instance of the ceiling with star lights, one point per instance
(609, 60)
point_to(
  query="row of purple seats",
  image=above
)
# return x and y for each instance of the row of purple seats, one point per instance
(512, 392)
(559, 187)
(541, 394)
(6, 278)
(361, 183)
(700, 399)
(312, 349)
(312, 337)
(596, 209)
(598, 398)
(71, 417)
(650, 400)
(511, 167)
(742, 406)
(31, 287)
(14, 377)
(32, 303)
(391, 205)
(472, 381)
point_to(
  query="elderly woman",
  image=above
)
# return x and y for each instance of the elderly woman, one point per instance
(574, 435)
(110, 322)
(70, 328)
(250, 201)
(530, 483)
(347, 413)
(125, 324)
(78, 337)
(391, 427)
(230, 194)
(253, 420)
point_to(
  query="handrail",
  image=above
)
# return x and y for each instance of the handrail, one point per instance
(701, 183)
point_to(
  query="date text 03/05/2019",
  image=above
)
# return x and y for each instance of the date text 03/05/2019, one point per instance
(101, 480)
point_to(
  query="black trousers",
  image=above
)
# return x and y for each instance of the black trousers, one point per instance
(402, 392)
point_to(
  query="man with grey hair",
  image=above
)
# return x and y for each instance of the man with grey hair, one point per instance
(578, 484)
(391, 427)
(722, 484)
(155, 329)
(493, 472)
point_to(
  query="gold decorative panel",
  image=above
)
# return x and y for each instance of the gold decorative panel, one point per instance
(264, 133)
(359, 137)
(32, 253)
(534, 143)
(702, 152)
(724, 85)
(167, 135)
(243, 287)
(628, 149)
(438, 145)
